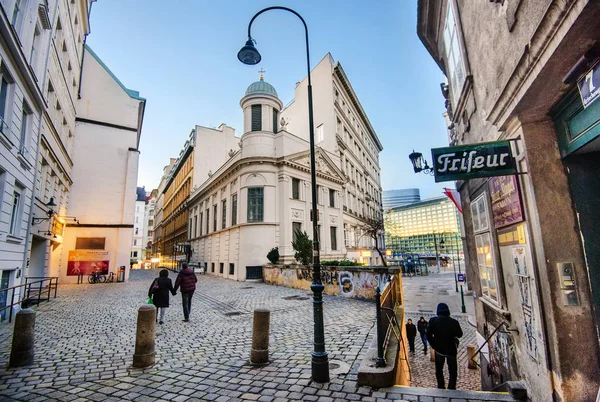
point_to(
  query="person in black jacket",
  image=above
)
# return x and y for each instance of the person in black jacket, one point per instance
(411, 333)
(159, 291)
(186, 280)
(422, 328)
(443, 334)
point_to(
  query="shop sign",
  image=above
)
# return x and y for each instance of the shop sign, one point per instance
(589, 86)
(466, 162)
(506, 202)
(461, 279)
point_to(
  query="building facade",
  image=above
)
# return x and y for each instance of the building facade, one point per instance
(343, 131)
(158, 240)
(148, 238)
(515, 70)
(419, 228)
(398, 198)
(99, 231)
(139, 228)
(41, 56)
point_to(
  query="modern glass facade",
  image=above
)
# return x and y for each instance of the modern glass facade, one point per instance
(398, 198)
(418, 227)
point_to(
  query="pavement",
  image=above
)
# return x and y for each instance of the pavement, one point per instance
(85, 342)
(421, 297)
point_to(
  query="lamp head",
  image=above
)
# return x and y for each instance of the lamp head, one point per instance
(416, 158)
(248, 54)
(51, 203)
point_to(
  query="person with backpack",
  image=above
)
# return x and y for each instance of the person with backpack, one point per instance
(422, 328)
(186, 279)
(159, 292)
(443, 334)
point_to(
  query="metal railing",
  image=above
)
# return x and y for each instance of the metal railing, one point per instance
(502, 324)
(386, 303)
(33, 291)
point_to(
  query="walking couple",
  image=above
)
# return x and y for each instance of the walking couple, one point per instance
(162, 286)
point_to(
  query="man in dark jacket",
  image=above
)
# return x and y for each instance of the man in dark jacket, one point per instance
(411, 333)
(186, 279)
(422, 328)
(443, 334)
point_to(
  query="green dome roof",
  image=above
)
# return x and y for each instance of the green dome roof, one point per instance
(261, 88)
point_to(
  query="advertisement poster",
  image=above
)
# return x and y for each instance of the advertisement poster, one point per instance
(506, 203)
(87, 261)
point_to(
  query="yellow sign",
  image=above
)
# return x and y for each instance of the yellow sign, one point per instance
(512, 235)
(366, 253)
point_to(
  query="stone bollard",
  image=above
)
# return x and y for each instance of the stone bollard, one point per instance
(432, 355)
(22, 351)
(260, 337)
(145, 337)
(470, 353)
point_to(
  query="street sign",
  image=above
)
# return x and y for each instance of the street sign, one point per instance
(461, 279)
(465, 162)
(589, 86)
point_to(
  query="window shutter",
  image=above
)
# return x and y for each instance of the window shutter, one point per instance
(256, 117)
(275, 116)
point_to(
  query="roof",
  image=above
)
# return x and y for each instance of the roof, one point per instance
(261, 87)
(422, 203)
(132, 93)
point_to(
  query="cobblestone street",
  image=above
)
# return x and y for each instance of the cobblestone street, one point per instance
(421, 296)
(85, 341)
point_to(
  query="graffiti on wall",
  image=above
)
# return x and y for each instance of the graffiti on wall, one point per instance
(524, 280)
(350, 283)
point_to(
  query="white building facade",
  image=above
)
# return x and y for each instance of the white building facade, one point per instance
(261, 194)
(148, 237)
(103, 195)
(137, 243)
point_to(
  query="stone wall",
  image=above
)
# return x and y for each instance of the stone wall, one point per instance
(357, 282)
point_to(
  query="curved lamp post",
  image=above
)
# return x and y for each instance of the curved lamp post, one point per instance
(320, 362)
(417, 160)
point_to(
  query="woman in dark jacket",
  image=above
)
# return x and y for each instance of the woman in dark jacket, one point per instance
(160, 293)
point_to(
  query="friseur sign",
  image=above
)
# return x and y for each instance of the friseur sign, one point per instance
(466, 162)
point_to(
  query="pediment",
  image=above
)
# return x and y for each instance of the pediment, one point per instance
(325, 166)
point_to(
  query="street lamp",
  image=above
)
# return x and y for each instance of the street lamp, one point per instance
(453, 266)
(320, 361)
(417, 160)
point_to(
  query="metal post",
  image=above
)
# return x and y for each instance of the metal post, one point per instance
(320, 360)
(380, 362)
(437, 255)
(12, 303)
(454, 268)
(462, 295)
(49, 289)
(40, 292)
(55, 287)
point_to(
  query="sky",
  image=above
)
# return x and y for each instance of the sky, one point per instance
(181, 55)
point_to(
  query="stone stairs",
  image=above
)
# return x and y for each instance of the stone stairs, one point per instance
(400, 394)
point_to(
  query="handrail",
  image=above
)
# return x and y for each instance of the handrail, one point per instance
(25, 296)
(503, 323)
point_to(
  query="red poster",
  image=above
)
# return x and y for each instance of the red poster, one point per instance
(87, 261)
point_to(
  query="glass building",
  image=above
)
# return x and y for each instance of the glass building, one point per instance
(398, 198)
(417, 228)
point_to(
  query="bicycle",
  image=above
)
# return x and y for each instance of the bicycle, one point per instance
(96, 277)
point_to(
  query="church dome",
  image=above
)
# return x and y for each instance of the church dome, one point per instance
(261, 87)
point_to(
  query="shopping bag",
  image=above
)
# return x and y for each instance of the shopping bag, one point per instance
(149, 300)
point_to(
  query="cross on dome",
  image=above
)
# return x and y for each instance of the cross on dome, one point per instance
(261, 71)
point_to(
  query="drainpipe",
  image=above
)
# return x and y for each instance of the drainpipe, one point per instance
(83, 50)
(27, 252)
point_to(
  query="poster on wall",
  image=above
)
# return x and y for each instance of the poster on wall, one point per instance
(506, 202)
(87, 261)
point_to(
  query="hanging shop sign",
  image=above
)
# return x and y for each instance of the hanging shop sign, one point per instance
(506, 201)
(589, 86)
(466, 162)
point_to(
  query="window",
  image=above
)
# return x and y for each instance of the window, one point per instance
(15, 213)
(223, 214)
(137, 219)
(221, 267)
(4, 103)
(256, 117)
(231, 269)
(296, 228)
(320, 136)
(234, 209)
(135, 241)
(333, 235)
(207, 220)
(331, 198)
(275, 117)
(24, 127)
(455, 63)
(483, 245)
(200, 231)
(32, 54)
(136, 230)
(15, 14)
(295, 188)
(318, 191)
(212, 267)
(90, 243)
(135, 253)
(151, 222)
(215, 217)
(255, 204)
(195, 225)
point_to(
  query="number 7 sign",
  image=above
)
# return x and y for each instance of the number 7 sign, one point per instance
(589, 86)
